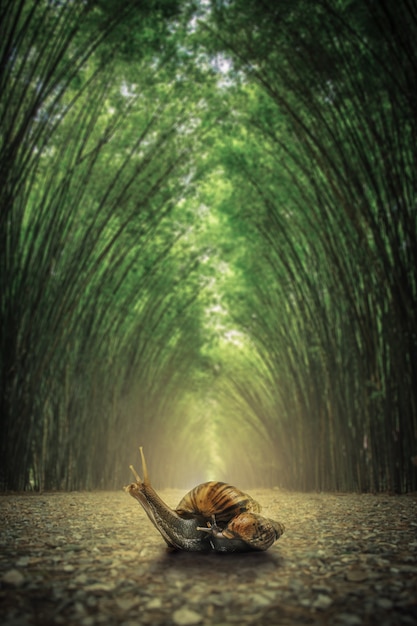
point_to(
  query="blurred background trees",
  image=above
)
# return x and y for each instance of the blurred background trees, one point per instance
(208, 243)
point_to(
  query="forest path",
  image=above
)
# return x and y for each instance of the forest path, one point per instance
(94, 558)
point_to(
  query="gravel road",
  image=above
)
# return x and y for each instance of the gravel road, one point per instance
(94, 558)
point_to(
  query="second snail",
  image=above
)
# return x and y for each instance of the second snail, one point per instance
(214, 516)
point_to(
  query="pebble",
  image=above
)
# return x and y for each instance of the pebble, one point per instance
(259, 600)
(13, 578)
(81, 579)
(321, 587)
(221, 599)
(155, 603)
(356, 575)
(127, 604)
(348, 619)
(100, 587)
(79, 608)
(69, 568)
(322, 602)
(186, 617)
(384, 603)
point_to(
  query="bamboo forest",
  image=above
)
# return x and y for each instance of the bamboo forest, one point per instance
(208, 243)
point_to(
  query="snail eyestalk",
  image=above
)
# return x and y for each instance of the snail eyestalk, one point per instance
(144, 466)
(135, 474)
(144, 469)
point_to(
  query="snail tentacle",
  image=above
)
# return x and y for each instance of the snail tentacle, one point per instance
(135, 474)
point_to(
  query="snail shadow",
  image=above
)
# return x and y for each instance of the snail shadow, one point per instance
(219, 562)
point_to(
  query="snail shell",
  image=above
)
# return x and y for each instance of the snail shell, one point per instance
(216, 498)
(212, 516)
(249, 529)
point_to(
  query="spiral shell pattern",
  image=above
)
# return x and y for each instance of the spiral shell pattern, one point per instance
(259, 532)
(216, 499)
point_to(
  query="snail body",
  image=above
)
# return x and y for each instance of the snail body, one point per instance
(212, 516)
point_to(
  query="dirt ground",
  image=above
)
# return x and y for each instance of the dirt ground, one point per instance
(94, 558)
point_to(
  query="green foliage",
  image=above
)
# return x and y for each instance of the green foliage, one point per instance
(329, 153)
(208, 243)
(96, 284)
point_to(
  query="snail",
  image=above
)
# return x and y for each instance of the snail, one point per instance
(212, 516)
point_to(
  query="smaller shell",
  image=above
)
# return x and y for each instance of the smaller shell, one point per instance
(216, 498)
(260, 532)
